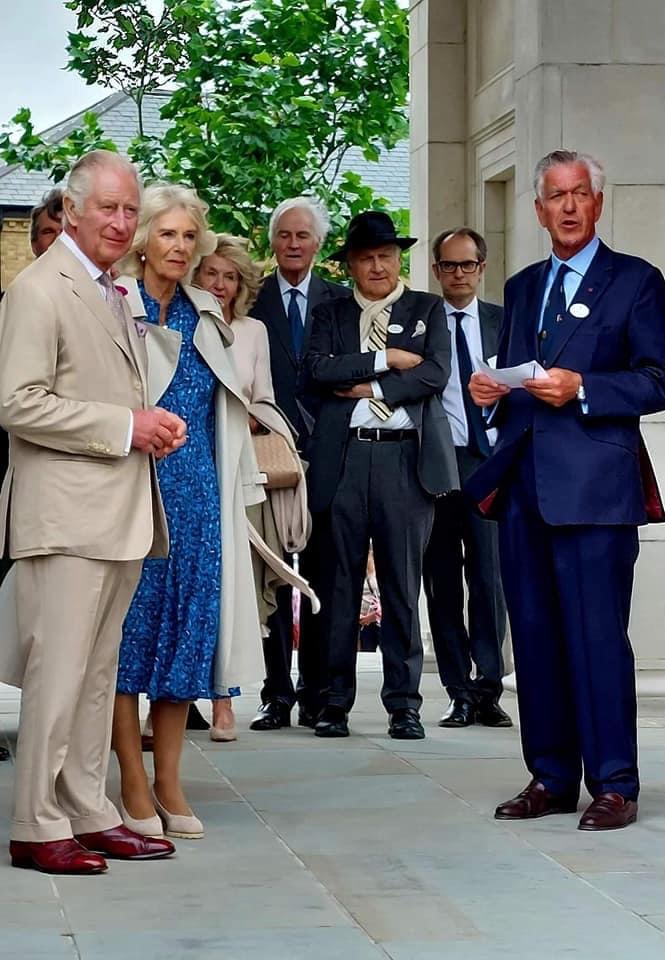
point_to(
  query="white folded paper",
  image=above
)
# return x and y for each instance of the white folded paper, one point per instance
(513, 377)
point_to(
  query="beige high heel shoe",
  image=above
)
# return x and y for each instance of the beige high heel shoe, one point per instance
(147, 827)
(223, 734)
(186, 827)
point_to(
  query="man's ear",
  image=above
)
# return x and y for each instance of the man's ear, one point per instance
(69, 210)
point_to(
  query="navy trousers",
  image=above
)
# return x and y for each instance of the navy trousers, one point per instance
(568, 592)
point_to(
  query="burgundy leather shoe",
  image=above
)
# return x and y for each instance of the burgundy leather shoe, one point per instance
(534, 801)
(121, 843)
(56, 856)
(608, 811)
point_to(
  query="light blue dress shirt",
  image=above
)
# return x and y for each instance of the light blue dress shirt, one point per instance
(577, 267)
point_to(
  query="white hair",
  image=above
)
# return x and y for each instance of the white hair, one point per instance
(81, 176)
(313, 206)
(561, 157)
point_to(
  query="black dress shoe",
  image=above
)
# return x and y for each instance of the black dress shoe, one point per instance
(272, 716)
(490, 714)
(195, 720)
(460, 713)
(306, 718)
(4, 753)
(332, 723)
(405, 725)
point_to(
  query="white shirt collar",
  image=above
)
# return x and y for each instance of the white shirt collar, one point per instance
(302, 287)
(71, 244)
(471, 309)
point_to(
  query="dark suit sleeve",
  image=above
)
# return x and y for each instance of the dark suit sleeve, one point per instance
(430, 376)
(325, 368)
(640, 389)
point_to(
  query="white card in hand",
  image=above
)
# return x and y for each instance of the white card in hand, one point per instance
(513, 377)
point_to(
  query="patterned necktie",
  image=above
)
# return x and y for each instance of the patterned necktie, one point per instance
(477, 436)
(377, 340)
(554, 312)
(296, 324)
(114, 302)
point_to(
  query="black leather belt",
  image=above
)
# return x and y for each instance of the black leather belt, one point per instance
(369, 433)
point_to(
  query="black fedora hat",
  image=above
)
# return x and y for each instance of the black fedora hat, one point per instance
(369, 230)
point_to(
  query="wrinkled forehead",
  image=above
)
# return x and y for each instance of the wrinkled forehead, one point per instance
(566, 176)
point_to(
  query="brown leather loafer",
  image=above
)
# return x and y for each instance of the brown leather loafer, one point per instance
(608, 811)
(122, 843)
(56, 856)
(534, 801)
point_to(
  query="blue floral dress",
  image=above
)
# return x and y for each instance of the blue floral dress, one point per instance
(171, 630)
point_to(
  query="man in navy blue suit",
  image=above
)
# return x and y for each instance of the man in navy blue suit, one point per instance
(569, 482)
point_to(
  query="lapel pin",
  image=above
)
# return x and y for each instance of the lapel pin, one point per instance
(419, 329)
(579, 310)
(395, 328)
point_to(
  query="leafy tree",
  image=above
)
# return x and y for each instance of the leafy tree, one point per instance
(266, 98)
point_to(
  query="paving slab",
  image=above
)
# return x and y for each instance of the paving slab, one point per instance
(364, 848)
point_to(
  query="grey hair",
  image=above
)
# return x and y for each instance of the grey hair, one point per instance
(313, 206)
(159, 198)
(558, 157)
(79, 182)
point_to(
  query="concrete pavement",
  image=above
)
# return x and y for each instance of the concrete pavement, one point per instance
(360, 849)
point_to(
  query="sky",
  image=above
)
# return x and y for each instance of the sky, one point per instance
(33, 41)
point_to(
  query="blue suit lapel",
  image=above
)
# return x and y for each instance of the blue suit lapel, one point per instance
(591, 288)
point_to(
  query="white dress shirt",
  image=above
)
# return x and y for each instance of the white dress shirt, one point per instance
(452, 398)
(96, 273)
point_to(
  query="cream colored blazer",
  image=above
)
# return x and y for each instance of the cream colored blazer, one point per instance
(69, 375)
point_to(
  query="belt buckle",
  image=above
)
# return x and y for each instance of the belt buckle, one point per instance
(369, 430)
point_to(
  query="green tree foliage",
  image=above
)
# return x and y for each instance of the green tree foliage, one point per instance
(266, 97)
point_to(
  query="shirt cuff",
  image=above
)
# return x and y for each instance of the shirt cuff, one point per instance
(377, 392)
(130, 434)
(381, 362)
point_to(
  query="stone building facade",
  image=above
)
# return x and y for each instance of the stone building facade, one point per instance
(496, 84)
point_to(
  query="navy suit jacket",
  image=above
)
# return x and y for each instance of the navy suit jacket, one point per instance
(335, 361)
(590, 468)
(284, 368)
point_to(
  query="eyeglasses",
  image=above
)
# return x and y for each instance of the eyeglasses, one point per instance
(450, 266)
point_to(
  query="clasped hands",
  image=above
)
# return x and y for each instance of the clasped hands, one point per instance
(557, 388)
(396, 359)
(158, 431)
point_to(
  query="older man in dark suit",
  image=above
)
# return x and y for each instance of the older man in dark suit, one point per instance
(569, 482)
(463, 544)
(298, 228)
(381, 451)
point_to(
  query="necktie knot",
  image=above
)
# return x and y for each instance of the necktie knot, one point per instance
(459, 316)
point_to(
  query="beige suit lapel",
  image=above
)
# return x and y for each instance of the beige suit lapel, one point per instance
(85, 289)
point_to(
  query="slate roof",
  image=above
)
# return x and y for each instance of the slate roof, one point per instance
(118, 118)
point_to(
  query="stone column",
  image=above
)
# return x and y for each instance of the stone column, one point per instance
(438, 126)
(589, 76)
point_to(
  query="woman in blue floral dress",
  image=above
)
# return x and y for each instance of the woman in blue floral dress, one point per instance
(172, 628)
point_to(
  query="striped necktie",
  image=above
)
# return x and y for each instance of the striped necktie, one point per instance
(114, 303)
(377, 339)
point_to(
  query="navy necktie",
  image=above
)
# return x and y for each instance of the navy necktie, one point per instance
(554, 313)
(477, 442)
(295, 323)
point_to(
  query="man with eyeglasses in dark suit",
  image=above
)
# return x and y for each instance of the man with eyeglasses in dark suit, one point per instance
(463, 544)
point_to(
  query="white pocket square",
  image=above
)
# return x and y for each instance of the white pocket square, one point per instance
(420, 329)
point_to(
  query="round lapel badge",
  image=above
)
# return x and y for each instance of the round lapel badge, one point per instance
(579, 310)
(395, 328)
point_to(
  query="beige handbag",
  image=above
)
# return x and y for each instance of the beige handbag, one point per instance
(277, 460)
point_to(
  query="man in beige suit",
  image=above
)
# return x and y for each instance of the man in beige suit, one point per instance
(83, 511)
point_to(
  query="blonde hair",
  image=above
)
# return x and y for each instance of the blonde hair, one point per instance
(249, 272)
(159, 198)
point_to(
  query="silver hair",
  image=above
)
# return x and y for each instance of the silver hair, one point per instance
(159, 198)
(559, 157)
(313, 206)
(79, 182)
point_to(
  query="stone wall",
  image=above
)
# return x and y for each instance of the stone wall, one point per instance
(15, 252)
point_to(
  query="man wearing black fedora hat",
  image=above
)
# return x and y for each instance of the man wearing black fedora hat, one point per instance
(380, 452)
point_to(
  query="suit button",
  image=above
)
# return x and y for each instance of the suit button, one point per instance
(138, 385)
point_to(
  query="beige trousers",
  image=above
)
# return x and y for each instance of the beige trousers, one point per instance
(70, 612)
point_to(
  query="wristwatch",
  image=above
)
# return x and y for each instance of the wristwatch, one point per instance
(581, 393)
